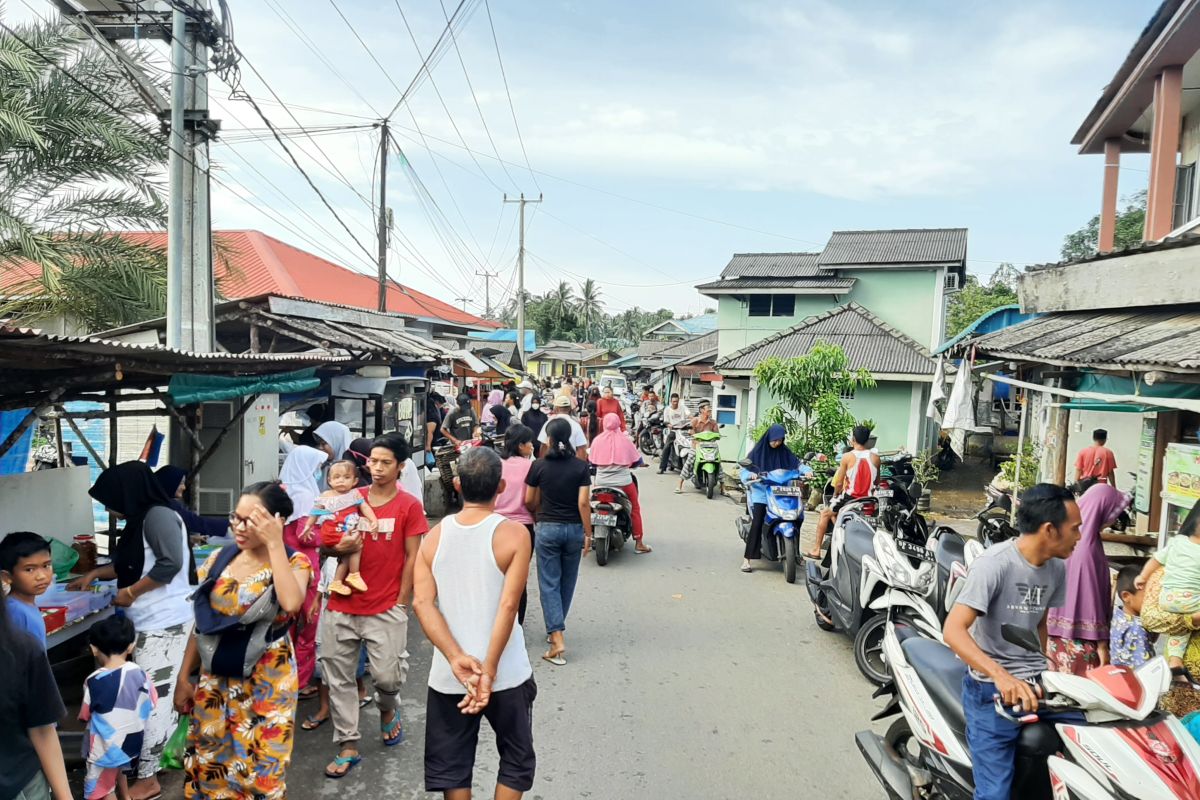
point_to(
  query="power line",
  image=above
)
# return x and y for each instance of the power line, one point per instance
(438, 48)
(511, 107)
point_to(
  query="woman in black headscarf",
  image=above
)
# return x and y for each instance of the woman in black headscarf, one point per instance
(154, 570)
(171, 479)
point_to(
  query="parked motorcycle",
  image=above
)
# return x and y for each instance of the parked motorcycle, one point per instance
(785, 491)
(869, 572)
(704, 455)
(612, 521)
(650, 439)
(995, 518)
(1125, 749)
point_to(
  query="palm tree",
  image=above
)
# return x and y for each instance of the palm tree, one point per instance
(589, 306)
(562, 303)
(629, 326)
(75, 166)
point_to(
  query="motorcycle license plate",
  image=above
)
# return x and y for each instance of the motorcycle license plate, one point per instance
(915, 550)
(884, 493)
(786, 491)
(604, 519)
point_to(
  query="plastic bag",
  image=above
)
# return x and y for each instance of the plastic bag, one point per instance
(63, 557)
(1192, 723)
(172, 757)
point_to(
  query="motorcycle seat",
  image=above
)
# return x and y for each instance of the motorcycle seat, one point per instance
(942, 674)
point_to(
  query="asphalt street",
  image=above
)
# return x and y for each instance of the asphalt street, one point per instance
(686, 679)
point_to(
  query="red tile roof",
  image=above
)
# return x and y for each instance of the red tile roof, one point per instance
(257, 264)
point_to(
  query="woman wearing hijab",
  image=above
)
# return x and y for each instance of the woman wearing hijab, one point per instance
(495, 398)
(171, 479)
(333, 438)
(614, 457)
(1078, 630)
(299, 478)
(769, 454)
(152, 564)
(534, 418)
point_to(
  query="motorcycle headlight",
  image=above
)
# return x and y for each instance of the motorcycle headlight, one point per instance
(895, 566)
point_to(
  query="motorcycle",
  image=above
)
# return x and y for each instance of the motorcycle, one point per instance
(705, 460)
(868, 573)
(1125, 749)
(650, 439)
(612, 521)
(785, 490)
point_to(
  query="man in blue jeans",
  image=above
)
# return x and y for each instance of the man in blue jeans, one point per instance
(1013, 583)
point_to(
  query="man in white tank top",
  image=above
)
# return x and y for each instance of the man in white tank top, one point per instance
(470, 573)
(856, 476)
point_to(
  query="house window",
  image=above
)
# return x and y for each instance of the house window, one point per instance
(727, 409)
(544, 369)
(846, 394)
(1185, 195)
(772, 305)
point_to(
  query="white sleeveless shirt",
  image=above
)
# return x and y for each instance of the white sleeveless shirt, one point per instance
(469, 585)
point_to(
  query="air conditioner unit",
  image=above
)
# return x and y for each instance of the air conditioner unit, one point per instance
(216, 502)
(951, 284)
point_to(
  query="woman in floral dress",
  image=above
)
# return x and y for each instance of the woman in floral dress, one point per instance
(240, 742)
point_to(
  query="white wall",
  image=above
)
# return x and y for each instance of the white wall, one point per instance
(51, 502)
(1124, 433)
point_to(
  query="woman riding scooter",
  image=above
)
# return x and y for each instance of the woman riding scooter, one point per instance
(769, 454)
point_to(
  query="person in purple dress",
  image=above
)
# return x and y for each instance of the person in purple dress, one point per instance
(1079, 629)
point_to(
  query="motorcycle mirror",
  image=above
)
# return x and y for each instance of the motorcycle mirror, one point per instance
(810, 455)
(1021, 637)
(746, 463)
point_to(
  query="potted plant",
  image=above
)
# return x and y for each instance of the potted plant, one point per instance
(869, 424)
(927, 473)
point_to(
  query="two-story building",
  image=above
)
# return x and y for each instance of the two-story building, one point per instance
(880, 294)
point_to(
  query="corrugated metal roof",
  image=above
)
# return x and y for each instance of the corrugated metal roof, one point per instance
(832, 283)
(869, 343)
(899, 247)
(688, 347)
(1140, 339)
(772, 265)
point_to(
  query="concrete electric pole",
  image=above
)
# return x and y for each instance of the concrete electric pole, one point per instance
(521, 276)
(487, 291)
(383, 214)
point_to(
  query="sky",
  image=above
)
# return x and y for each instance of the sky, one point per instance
(664, 136)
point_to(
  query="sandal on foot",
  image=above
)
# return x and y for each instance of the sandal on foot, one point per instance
(393, 732)
(308, 692)
(557, 660)
(641, 551)
(349, 762)
(363, 702)
(746, 567)
(312, 722)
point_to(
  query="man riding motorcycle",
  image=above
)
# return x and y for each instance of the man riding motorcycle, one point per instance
(1015, 583)
(856, 475)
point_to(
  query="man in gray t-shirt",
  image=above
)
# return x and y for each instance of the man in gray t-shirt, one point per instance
(1014, 583)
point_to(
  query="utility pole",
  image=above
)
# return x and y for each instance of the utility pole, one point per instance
(383, 213)
(521, 276)
(463, 300)
(487, 291)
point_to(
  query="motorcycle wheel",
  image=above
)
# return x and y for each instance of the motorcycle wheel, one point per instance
(868, 650)
(711, 480)
(789, 559)
(900, 737)
(600, 545)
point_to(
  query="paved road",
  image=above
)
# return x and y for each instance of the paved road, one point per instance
(687, 679)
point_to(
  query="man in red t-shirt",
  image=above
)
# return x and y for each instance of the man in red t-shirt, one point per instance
(378, 617)
(1097, 462)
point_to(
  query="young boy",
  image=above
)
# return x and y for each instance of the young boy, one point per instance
(117, 700)
(27, 569)
(1129, 643)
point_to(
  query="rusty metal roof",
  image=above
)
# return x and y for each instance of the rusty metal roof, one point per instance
(772, 265)
(869, 343)
(905, 247)
(1140, 339)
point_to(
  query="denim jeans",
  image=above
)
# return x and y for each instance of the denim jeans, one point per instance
(558, 545)
(992, 739)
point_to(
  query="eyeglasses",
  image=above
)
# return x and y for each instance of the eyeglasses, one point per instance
(236, 520)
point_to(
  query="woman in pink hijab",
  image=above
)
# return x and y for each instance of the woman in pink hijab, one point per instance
(614, 456)
(1078, 630)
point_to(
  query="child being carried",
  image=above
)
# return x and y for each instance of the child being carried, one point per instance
(340, 511)
(1180, 588)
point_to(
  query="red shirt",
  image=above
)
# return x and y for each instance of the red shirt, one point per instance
(1096, 461)
(383, 556)
(610, 406)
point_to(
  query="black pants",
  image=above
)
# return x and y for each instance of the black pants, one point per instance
(525, 591)
(668, 451)
(452, 736)
(754, 539)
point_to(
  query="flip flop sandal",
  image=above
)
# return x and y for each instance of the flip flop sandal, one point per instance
(363, 702)
(312, 722)
(308, 692)
(557, 660)
(638, 552)
(349, 762)
(393, 732)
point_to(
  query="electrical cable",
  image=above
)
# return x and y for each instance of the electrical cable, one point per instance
(511, 107)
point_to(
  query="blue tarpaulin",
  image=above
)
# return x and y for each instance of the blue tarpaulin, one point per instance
(17, 457)
(188, 389)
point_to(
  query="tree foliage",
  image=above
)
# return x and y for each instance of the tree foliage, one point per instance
(75, 166)
(808, 390)
(1131, 222)
(563, 315)
(976, 299)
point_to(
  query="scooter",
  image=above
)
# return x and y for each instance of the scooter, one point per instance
(612, 521)
(868, 573)
(994, 519)
(785, 491)
(706, 470)
(1125, 749)
(650, 439)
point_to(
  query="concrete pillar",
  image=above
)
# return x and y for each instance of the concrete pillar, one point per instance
(1108, 201)
(1164, 149)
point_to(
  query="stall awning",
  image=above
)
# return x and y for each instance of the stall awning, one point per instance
(188, 389)
(1106, 400)
(1130, 408)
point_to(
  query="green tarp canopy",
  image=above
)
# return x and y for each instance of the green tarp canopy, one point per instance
(186, 390)
(1113, 384)
(1096, 405)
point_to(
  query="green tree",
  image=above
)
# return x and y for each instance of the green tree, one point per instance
(589, 307)
(974, 300)
(1131, 222)
(74, 167)
(562, 303)
(808, 391)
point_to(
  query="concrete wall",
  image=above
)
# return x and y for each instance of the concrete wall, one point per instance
(1155, 278)
(888, 404)
(1124, 433)
(739, 329)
